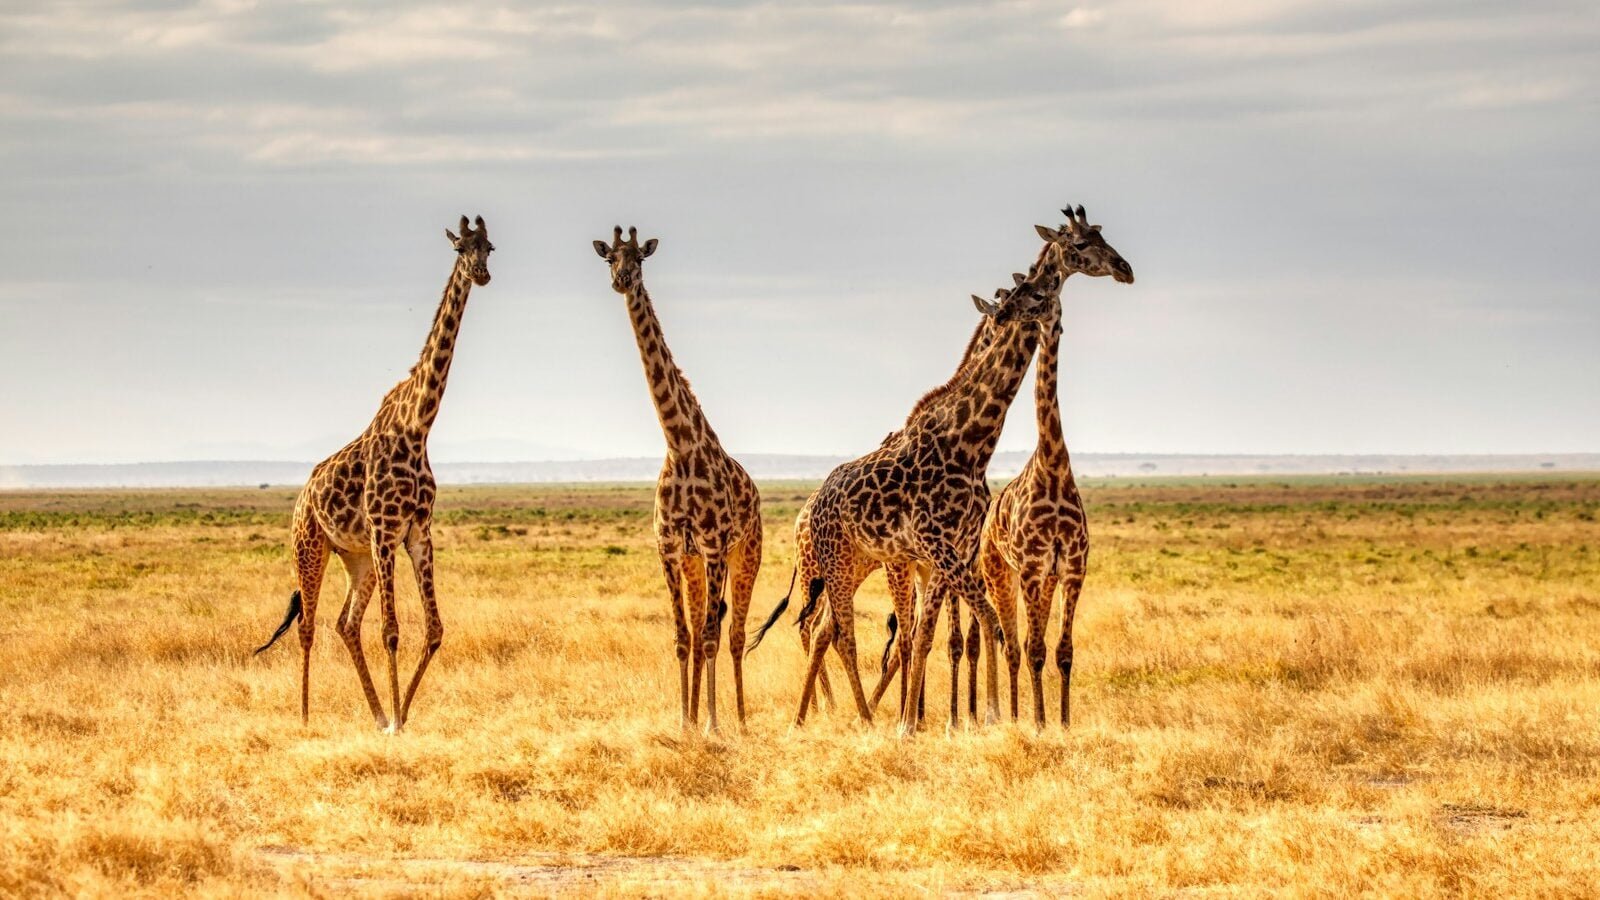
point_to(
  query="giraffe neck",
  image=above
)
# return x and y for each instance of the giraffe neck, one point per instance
(1046, 395)
(682, 422)
(976, 401)
(426, 387)
(980, 338)
(981, 402)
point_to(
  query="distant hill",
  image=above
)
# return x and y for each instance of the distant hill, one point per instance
(769, 466)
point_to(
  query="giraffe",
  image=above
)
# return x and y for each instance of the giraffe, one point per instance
(920, 498)
(376, 495)
(1036, 537)
(707, 511)
(901, 577)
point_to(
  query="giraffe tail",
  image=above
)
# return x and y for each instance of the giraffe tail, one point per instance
(814, 593)
(776, 613)
(288, 619)
(888, 648)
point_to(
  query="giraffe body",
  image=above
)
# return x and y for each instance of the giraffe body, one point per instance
(707, 510)
(375, 496)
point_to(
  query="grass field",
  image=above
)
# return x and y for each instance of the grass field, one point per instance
(1314, 687)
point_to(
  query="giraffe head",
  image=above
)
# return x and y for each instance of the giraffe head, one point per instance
(474, 248)
(1084, 250)
(626, 257)
(1023, 302)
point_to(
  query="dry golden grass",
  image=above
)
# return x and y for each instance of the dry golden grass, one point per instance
(1309, 688)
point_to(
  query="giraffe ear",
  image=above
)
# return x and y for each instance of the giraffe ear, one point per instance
(648, 248)
(604, 251)
(1047, 233)
(453, 239)
(986, 307)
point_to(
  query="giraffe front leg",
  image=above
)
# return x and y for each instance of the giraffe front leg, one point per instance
(748, 566)
(972, 587)
(902, 594)
(955, 646)
(672, 568)
(974, 636)
(927, 619)
(383, 557)
(999, 583)
(1038, 590)
(710, 637)
(694, 601)
(420, 548)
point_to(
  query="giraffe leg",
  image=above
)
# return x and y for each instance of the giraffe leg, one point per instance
(955, 645)
(902, 593)
(672, 566)
(747, 565)
(809, 627)
(694, 605)
(924, 582)
(363, 580)
(971, 587)
(927, 619)
(842, 605)
(962, 578)
(383, 557)
(311, 561)
(419, 546)
(711, 633)
(824, 697)
(1072, 585)
(1000, 583)
(974, 636)
(891, 666)
(1038, 589)
(823, 638)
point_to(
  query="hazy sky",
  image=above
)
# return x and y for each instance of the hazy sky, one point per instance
(1364, 226)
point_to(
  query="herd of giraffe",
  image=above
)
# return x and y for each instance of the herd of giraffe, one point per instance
(919, 506)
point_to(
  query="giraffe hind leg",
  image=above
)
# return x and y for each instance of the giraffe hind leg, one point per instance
(363, 581)
(311, 561)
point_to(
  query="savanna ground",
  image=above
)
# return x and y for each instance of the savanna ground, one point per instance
(1306, 687)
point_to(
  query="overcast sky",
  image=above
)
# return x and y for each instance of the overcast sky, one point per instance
(1357, 227)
